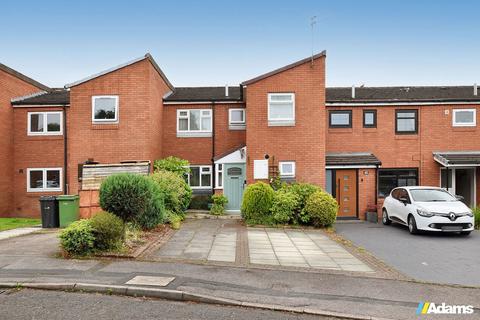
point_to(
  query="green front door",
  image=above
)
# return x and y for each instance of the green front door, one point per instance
(234, 181)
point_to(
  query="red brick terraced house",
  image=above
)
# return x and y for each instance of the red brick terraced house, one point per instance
(357, 143)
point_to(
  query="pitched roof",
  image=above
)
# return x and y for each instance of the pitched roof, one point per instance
(23, 77)
(147, 56)
(401, 94)
(198, 94)
(455, 158)
(353, 158)
(44, 98)
(290, 66)
(229, 151)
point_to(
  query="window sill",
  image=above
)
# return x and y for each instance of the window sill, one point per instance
(283, 123)
(44, 138)
(412, 136)
(340, 130)
(464, 129)
(105, 126)
(237, 127)
(193, 134)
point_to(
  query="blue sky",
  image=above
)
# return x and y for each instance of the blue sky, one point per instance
(219, 42)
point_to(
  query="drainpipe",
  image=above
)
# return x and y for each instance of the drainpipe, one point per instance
(65, 152)
(214, 173)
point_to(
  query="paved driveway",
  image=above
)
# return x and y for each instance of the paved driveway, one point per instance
(230, 241)
(442, 258)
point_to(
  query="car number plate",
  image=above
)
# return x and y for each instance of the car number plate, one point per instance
(452, 228)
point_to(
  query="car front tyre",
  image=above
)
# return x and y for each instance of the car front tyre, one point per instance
(412, 225)
(385, 219)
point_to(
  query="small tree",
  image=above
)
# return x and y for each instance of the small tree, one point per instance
(173, 164)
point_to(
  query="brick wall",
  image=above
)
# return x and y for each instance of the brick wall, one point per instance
(199, 150)
(303, 143)
(10, 87)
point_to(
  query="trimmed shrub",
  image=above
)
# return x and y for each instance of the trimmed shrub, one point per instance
(78, 238)
(476, 214)
(219, 202)
(283, 206)
(257, 202)
(154, 213)
(172, 164)
(133, 198)
(200, 201)
(177, 192)
(108, 230)
(303, 191)
(174, 219)
(322, 209)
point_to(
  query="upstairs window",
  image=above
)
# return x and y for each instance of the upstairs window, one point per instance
(464, 117)
(281, 109)
(195, 121)
(44, 123)
(340, 118)
(369, 118)
(200, 177)
(105, 108)
(406, 121)
(44, 179)
(287, 169)
(236, 118)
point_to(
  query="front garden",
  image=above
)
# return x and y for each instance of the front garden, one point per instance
(136, 208)
(14, 223)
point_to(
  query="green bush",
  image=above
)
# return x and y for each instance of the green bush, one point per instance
(78, 238)
(108, 231)
(257, 202)
(284, 205)
(303, 191)
(200, 201)
(219, 202)
(322, 209)
(174, 219)
(178, 193)
(476, 214)
(173, 164)
(133, 198)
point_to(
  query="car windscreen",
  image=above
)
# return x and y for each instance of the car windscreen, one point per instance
(431, 195)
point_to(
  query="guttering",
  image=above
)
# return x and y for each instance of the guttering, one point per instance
(65, 151)
(399, 103)
(200, 102)
(38, 105)
(353, 166)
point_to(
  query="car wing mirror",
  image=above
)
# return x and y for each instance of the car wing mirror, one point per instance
(460, 198)
(403, 200)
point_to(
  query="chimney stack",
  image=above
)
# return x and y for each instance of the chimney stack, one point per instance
(475, 89)
(226, 90)
(353, 92)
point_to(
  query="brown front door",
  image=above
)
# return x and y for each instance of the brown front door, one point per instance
(346, 192)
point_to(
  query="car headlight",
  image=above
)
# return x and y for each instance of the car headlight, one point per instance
(425, 213)
(470, 213)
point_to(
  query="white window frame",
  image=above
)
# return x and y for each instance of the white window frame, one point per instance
(287, 174)
(219, 169)
(45, 131)
(200, 180)
(284, 121)
(457, 124)
(115, 120)
(188, 121)
(233, 122)
(44, 179)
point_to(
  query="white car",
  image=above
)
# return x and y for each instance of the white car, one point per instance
(427, 209)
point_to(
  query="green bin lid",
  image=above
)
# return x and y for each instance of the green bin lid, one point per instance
(67, 197)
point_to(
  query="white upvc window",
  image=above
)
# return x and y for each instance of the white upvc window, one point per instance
(281, 109)
(194, 122)
(105, 109)
(219, 176)
(464, 117)
(44, 179)
(287, 169)
(200, 177)
(45, 123)
(236, 116)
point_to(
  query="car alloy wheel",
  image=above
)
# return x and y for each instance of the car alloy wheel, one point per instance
(412, 225)
(385, 219)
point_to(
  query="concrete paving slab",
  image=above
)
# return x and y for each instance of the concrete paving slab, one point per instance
(151, 281)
